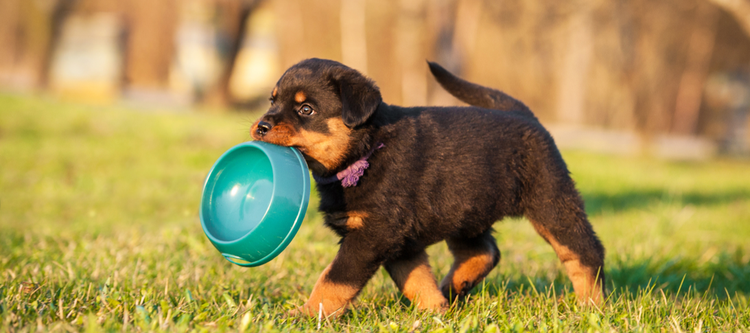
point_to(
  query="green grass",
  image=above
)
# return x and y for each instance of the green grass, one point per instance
(99, 232)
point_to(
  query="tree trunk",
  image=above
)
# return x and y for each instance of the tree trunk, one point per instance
(690, 91)
(353, 35)
(410, 45)
(232, 17)
(9, 25)
(61, 10)
(739, 9)
(289, 31)
(576, 64)
(150, 43)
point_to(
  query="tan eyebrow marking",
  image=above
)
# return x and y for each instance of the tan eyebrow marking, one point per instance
(275, 91)
(300, 97)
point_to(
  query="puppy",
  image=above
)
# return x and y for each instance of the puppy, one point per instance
(394, 180)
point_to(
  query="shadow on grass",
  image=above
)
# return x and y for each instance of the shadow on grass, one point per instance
(597, 203)
(724, 274)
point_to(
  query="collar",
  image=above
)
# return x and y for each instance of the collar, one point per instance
(349, 177)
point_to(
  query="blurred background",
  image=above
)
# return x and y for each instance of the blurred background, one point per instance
(113, 111)
(664, 77)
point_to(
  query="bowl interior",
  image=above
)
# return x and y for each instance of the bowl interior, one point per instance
(238, 193)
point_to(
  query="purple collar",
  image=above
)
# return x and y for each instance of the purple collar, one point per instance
(349, 177)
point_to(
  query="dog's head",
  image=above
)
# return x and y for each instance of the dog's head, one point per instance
(319, 106)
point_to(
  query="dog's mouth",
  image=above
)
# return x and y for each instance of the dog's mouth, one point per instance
(322, 151)
(274, 137)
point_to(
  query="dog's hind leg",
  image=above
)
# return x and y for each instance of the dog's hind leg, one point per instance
(567, 229)
(474, 258)
(413, 276)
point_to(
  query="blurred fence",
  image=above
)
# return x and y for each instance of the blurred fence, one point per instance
(653, 67)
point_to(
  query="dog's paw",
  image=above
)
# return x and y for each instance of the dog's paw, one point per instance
(294, 313)
(302, 311)
(459, 291)
(440, 308)
(309, 310)
(437, 303)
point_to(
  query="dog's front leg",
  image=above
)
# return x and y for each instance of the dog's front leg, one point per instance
(329, 296)
(354, 265)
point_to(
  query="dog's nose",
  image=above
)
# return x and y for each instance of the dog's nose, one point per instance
(263, 128)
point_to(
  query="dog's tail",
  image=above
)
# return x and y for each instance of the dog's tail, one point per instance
(474, 94)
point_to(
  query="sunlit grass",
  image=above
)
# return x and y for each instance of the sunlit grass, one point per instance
(99, 231)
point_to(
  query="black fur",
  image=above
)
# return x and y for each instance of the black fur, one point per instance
(444, 173)
(359, 97)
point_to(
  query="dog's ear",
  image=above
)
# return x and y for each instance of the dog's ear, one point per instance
(360, 96)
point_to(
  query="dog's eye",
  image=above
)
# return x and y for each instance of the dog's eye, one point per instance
(306, 110)
(271, 99)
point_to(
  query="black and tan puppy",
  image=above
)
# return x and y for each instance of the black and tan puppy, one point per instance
(394, 180)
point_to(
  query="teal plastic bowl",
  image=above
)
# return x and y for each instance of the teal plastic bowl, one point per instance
(254, 200)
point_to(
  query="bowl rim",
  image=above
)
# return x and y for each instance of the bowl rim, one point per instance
(303, 204)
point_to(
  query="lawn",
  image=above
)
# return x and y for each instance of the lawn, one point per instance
(99, 232)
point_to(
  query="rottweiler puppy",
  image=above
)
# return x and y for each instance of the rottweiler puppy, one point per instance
(394, 180)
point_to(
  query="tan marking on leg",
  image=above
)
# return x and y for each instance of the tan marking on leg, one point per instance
(586, 280)
(415, 280)
(327, 149)
(352, 220)
(334, 297)
(300, 97)
(468, 269)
